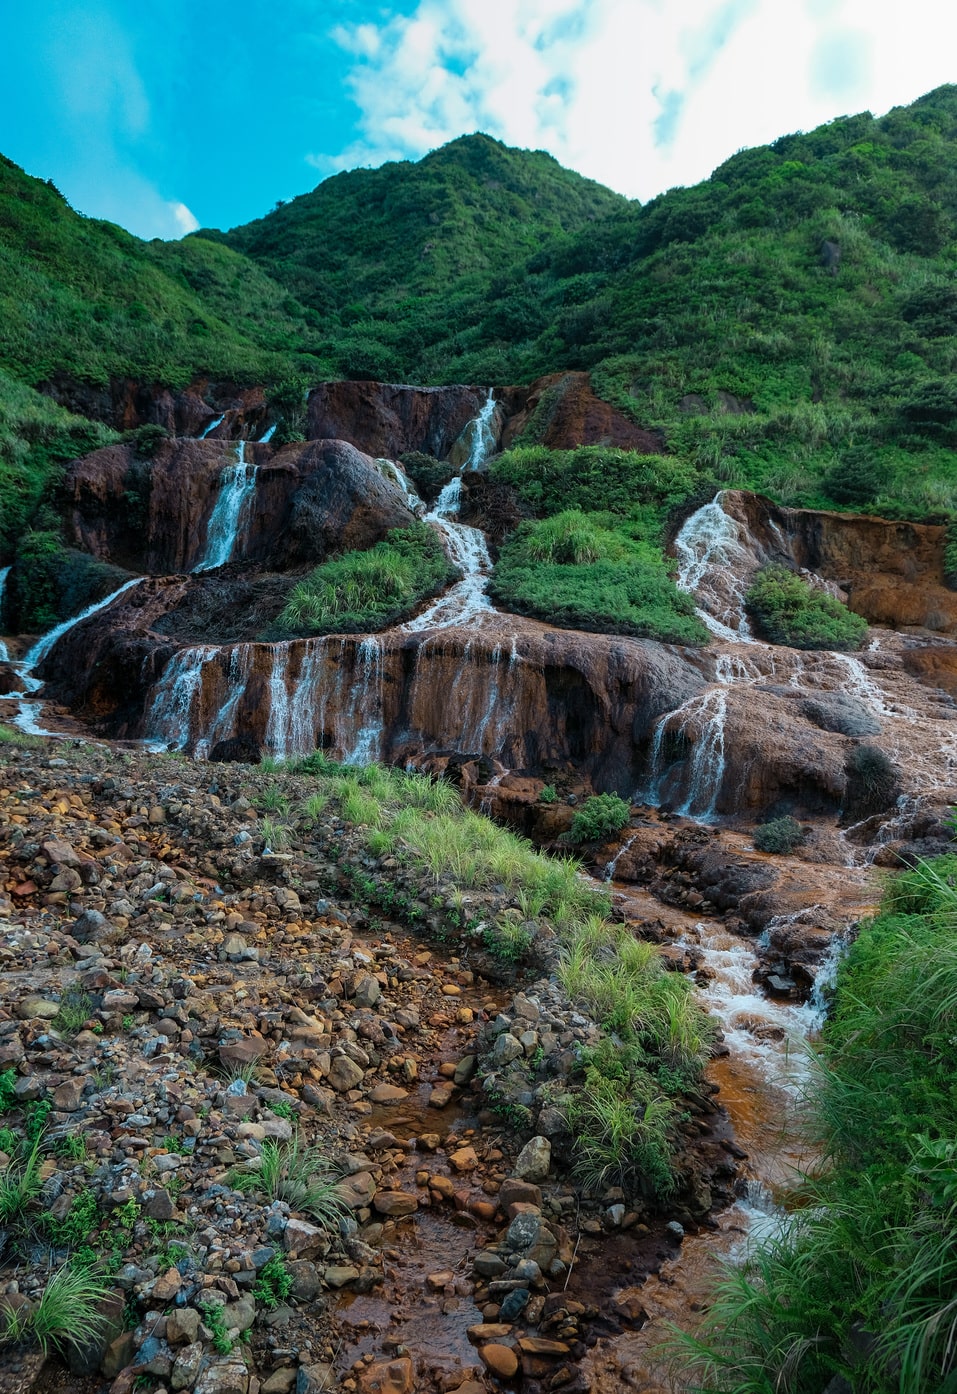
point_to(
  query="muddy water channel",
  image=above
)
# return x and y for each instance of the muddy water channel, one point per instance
(763, 1074)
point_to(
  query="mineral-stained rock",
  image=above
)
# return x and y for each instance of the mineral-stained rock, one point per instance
(534, 1160)
(388, 1377)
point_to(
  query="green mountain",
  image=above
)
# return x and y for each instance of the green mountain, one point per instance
(789, 324)
(400, 263)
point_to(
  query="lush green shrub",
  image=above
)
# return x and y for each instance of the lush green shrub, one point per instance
(599, 817)
(368, 590)
(428, 474)
(779, 835)
(550, 481)
(571, 570)
(857, 479)
(789, 611)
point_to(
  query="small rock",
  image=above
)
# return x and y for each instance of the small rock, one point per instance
(534, 1160)
(501, 1361)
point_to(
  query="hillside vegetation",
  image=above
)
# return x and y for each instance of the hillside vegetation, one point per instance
(788, 325)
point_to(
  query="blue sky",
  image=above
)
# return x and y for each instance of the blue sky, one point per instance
(174, 114)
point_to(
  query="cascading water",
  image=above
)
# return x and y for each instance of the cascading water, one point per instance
(237, 488)
(28, 713)
(466, 546)
(4, 573)
(268, 434)
(212, 426)
(43, 646)
(713, 562)
(171, 714)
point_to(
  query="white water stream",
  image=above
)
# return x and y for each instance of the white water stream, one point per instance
(230, 515)
(27, 717)
(4, 573)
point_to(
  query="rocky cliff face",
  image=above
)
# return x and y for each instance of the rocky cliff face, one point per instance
(564, 412)
(892, 573)
(126, 403)
(390, 420)
(310, 499)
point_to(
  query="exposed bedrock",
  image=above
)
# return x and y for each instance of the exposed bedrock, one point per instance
(391, 419)
(564, 412)
(152, 515)
(526, 696)
(891, 572)
(126, 403)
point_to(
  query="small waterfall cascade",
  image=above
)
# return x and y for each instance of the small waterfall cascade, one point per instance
(212, 426)
(237, 488)
(467, 548)
(170, 717)
(398, 476)
(483, 435)
(28, 713)
(714, 563)
(4, 573)
(43, 645)
(268, 434)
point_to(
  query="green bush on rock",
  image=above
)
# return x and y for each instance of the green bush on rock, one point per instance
(789, 611)
(779, 835)
(369, 590)
(573, 570)
(601, 816)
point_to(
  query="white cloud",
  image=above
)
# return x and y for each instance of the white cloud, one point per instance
(184, 219)
(640, 94)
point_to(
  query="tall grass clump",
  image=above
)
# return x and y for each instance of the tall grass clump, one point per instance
(298, 1173)
(368, 590)
(862, 1282)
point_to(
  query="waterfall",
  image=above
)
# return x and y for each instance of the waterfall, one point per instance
(171, 713)
(466, 546)
(713, 562)
(366, 745)
(268, 434)
(43, 646)
(4, 573)
(237, 487)
(483, 435)
(707, 762)
(277, 727)
(212, 426)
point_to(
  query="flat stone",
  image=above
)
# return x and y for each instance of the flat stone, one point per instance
(337, 1275)
(387, 1094)
(34, 1007)
(395, 1203)
(539, 1345)
(357, 1190)
(280, 1381)
(465, 1159)
(487, 1331)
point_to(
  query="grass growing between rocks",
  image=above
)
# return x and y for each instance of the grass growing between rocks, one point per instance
(862, 1282)
(298, 1173)
(362, 591)
(658, 1038)
(68, 1312)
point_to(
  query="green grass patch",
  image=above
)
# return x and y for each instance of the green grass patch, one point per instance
(789, 611)
(363, 591)
(571, 570)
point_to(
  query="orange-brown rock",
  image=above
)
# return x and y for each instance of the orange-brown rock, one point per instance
(565, 412)
(310, 499)
(388, 419)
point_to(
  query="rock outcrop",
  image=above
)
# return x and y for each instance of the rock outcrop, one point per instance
(153, 515)
(564, 412)
(391, 419)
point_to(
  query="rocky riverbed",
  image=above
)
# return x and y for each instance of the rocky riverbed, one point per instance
(175, 999)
